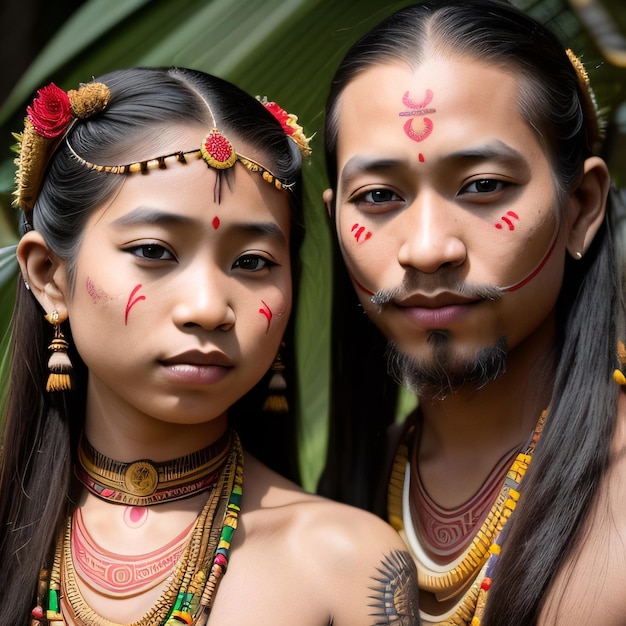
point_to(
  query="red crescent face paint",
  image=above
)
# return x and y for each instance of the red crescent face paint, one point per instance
(413, 130)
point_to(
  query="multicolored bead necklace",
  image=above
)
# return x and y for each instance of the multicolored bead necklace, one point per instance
(189, 597)
(470, 574)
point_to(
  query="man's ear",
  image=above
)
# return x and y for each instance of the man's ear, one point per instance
(588, 206)
(329, 200)
(43, 273)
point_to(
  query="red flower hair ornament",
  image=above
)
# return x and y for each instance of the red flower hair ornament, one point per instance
(48, 119)
(51, 112)
(290, 125)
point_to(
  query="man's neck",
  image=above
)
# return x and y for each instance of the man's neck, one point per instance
(465, 435)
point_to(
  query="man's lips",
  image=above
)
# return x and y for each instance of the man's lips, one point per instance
(436, 312)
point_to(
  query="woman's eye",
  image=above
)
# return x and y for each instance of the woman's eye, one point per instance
(151, 252)
(252, 263)
(484, 185)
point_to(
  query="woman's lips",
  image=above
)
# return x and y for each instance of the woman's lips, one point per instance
(199, 368)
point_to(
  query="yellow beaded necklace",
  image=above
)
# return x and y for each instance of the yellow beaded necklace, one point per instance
(461, 578)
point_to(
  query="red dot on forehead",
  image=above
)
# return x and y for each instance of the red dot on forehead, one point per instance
(421, 158)
(216, 222)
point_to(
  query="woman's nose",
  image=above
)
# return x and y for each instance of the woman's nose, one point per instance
(204, 301)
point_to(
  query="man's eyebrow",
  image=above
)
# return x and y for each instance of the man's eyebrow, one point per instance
(367, 165)
(496, 150)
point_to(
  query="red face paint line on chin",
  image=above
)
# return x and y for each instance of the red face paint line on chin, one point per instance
(267, 312)
(508, 221)
(216, 222)
(360, 233)
(418, 109)
(131, 303)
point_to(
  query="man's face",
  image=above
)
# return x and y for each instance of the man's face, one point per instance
(447, 213)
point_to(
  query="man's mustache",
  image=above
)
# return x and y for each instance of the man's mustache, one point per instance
(433, 283)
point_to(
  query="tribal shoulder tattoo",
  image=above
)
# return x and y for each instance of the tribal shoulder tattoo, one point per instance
(394, 597)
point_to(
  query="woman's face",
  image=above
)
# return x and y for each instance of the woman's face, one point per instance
(180, 302)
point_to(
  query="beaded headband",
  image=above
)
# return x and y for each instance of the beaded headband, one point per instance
(54, 112)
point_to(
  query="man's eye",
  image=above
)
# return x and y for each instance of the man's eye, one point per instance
(380, 195)
(484, 185)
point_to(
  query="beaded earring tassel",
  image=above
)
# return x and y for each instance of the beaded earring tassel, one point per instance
(59, 363)
(276, 401)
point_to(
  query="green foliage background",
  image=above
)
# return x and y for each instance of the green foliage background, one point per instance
(286, 50)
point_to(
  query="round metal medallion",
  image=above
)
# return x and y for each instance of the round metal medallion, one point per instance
(141, 478)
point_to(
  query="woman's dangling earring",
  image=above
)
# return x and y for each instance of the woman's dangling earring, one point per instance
(59, 362)
(276, 401)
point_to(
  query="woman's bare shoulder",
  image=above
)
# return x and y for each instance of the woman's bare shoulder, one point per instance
(354, 560)
(273, 501)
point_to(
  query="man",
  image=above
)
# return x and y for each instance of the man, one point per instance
(471, 212)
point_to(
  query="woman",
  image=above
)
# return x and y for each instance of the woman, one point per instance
(160, 207)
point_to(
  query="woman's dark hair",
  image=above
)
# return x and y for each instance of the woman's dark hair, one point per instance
(41, 429)
(574, 451)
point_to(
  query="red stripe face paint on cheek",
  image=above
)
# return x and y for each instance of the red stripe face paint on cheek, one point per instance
(360, 233)
(507, 220)
(132, 302)
(418, 109)
(267, 313)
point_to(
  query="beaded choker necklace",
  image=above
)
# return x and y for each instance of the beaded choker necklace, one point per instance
(144, 482)
(194, 580)
(457, 583)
